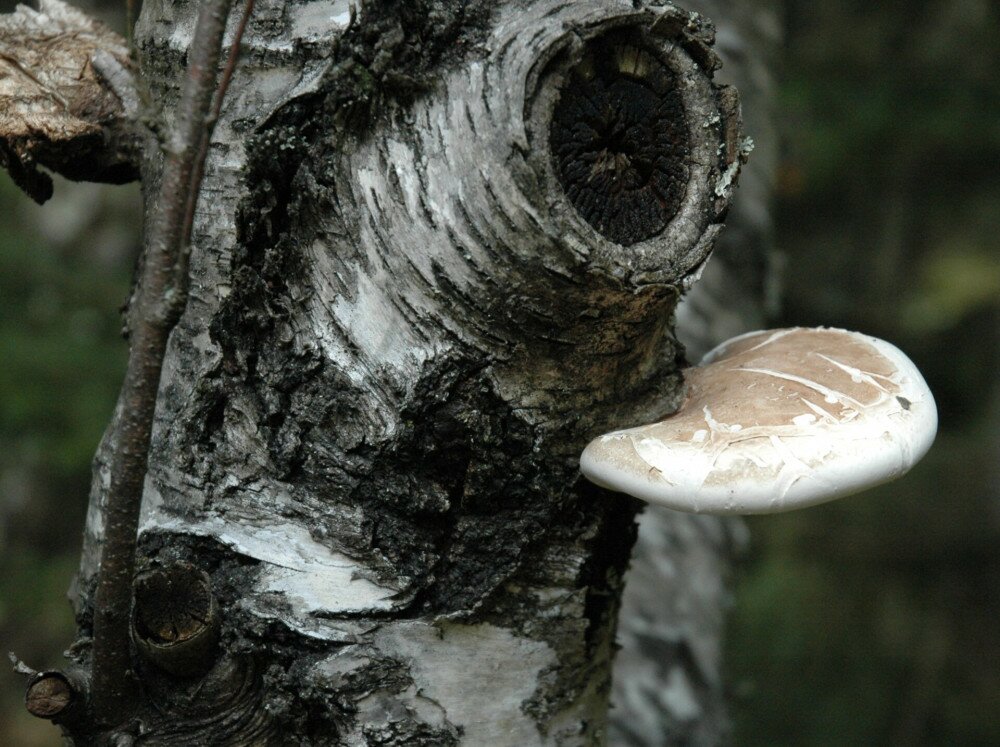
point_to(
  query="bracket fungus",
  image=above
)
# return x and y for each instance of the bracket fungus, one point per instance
(776, 420)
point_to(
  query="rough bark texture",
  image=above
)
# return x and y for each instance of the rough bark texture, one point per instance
(401, 331)
(669, 685)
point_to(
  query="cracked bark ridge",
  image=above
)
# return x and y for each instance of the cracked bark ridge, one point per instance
(223, 707)
(401, 333)
(67, 99)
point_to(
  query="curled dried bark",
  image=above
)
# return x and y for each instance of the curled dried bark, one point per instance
(67, 99)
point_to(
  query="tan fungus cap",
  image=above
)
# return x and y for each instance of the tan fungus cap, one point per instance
(776, 420)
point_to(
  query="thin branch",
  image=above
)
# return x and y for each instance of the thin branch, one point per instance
(158, 302)
(213, 118)
(234, 53)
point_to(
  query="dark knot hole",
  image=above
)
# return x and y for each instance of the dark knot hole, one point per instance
(619, 140)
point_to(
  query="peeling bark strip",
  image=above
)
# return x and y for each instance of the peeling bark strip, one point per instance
(67, 99)
(402, 330)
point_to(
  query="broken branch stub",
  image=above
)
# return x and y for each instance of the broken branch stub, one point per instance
(175, 619)
(583, 168)
(640, 140)
(57, 696)
(66, 99)
(48, 695)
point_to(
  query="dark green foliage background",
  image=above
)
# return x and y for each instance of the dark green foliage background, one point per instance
(64, 271)
(872, 620)
(876, 620)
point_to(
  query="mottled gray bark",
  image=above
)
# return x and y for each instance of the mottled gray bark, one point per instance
(669, 685)
(401, 331)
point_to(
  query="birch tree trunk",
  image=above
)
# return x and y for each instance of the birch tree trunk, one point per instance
(439, 246)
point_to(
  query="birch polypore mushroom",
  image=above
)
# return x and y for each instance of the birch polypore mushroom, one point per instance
(776, 420)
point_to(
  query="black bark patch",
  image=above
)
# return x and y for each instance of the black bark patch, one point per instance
(464, 492)
(619, 140)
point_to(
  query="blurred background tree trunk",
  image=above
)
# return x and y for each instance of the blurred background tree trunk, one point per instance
(669, 682)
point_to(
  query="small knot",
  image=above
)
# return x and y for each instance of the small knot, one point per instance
(175, 619)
